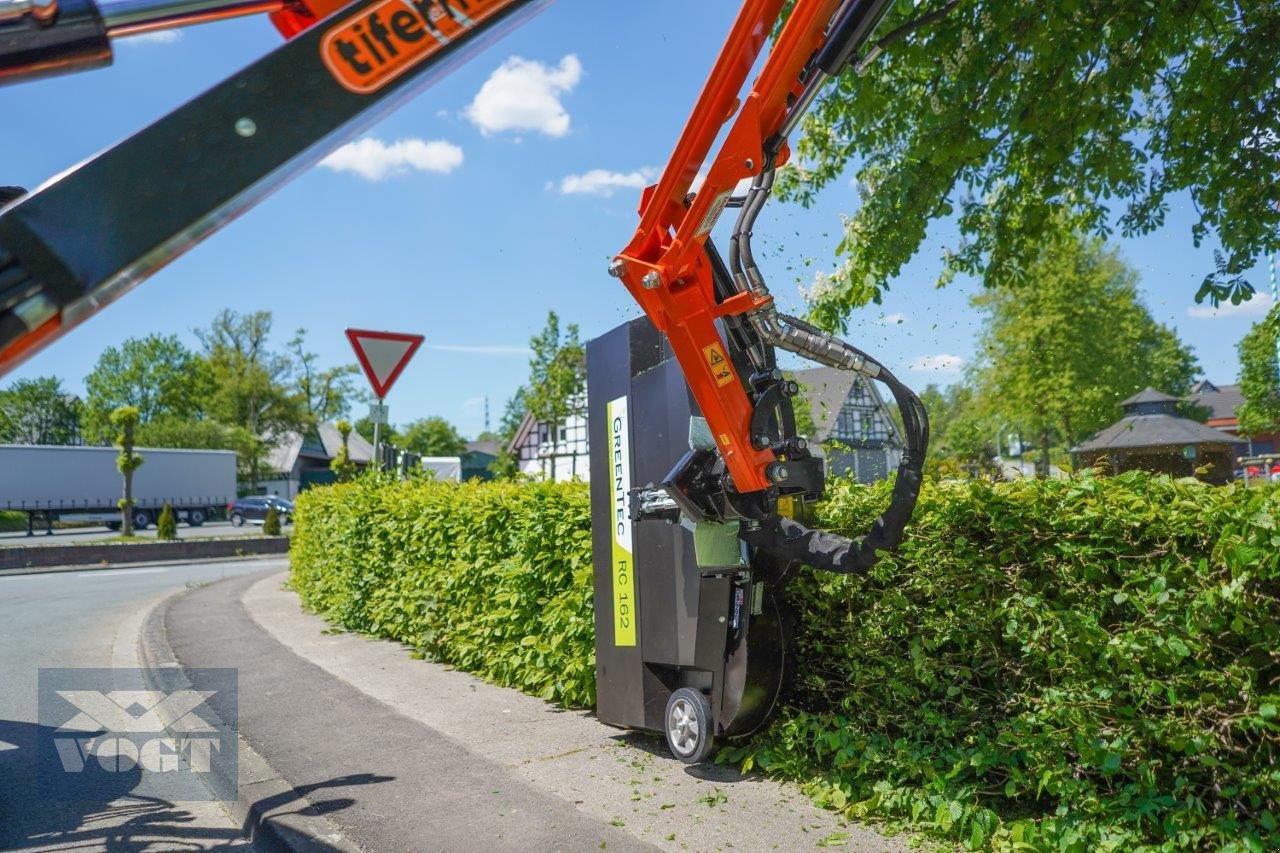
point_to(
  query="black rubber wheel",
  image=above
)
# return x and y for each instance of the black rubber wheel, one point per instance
(141, 519)
(195, 517)
(237, 520)
(689, 728)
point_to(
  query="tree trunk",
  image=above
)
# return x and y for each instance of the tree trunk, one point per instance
(126, 509)
(1042, 470)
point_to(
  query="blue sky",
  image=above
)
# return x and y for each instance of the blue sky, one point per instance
(498, 194)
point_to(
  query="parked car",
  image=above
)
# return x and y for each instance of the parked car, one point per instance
(254, 508)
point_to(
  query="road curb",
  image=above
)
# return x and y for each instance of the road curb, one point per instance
(38, 556)
(89, 567)
(284, 828)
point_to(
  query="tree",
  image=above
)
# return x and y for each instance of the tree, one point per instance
(1260, 376)
(125, 419)
(39, 411)
(167, 523)
(342, 464)
(557, 378)
(271, 524)
(1056, 359)
(387, 434)
(157, 375)
(205, 434)
(506, 464)
(251, 382)
(1002, 114)
(432, 436)
(325, 394)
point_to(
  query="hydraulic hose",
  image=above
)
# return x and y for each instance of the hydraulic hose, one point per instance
(785, 537)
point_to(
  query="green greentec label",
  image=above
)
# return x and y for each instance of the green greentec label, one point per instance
(624, 580)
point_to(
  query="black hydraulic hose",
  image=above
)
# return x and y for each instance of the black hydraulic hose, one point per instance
(833, 552)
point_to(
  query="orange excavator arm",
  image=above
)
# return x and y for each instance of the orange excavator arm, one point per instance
(78, 242)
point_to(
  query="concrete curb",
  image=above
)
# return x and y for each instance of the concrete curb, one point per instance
(38, 556)
(283, 828)
(45, 570)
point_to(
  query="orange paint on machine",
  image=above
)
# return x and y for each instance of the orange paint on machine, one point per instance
(374, 46)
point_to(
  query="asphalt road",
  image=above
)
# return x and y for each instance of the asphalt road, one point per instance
(89, 534)
(91, 619)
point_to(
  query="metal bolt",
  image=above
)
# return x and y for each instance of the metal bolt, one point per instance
(651, 280)
(760, 442)
(751, 164)
(778, 472)
(801, 444)
(618, 268)
(246, 127)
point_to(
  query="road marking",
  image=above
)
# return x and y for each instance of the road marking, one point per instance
(106, 573)
(4, 746)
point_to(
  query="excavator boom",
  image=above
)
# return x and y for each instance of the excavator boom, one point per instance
(84, 238)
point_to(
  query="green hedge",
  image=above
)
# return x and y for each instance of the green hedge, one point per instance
(1076, 664)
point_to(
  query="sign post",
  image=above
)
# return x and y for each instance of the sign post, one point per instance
(382, 356)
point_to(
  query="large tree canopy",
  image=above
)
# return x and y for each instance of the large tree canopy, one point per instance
(1056, 359)
(1260, 376)
(1008, 114)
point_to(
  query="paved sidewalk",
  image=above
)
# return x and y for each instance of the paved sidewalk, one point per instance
(385, 752)
(619, 779)
(386, 781)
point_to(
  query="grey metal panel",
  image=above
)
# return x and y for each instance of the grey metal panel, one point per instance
(619, 670)
(37, 477)
(664, 550)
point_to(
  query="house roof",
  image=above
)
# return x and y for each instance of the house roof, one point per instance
(827, 389)
(487, 446)
(1222, 400)
(1149, 395)
(284, 453)
(1134, 431)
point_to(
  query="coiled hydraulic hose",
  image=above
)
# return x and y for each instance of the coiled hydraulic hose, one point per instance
(787, 538)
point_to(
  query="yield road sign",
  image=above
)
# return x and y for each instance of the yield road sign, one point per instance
(383, 356)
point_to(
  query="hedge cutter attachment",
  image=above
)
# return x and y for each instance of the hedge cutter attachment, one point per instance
(700, 479)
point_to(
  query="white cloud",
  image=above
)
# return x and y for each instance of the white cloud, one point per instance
(940, 363)
(893, 319)
(373, 159)
(525, 95)
(153, 37)
(603, 182)
(1258, 306)
(478, 350)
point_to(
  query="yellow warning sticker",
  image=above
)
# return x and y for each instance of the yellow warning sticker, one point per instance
(719, 364)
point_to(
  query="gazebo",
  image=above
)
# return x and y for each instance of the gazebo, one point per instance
(1152, 437)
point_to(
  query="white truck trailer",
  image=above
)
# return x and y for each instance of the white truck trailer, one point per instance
(83, 484)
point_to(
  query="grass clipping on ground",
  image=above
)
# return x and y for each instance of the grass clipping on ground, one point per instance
(1079, 664)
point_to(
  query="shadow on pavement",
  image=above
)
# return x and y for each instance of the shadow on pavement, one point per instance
(112, 818)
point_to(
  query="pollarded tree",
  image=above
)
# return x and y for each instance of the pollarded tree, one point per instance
(1003, 113)
(1260, 377)
(125, 419)
(1056, 359)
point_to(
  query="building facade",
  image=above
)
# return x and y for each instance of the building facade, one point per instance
(1221, 401)
(553, 451)
(297, 461)
(852, 424)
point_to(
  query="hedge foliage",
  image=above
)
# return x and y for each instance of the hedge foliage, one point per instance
(1072, 664)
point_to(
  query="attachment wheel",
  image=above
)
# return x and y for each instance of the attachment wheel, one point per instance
(689, 727)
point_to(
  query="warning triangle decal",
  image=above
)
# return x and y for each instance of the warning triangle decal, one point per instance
(383, 356)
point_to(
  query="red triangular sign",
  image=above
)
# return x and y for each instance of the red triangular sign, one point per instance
(383, 356)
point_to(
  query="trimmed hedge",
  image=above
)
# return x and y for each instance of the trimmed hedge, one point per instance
(1076, 664)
